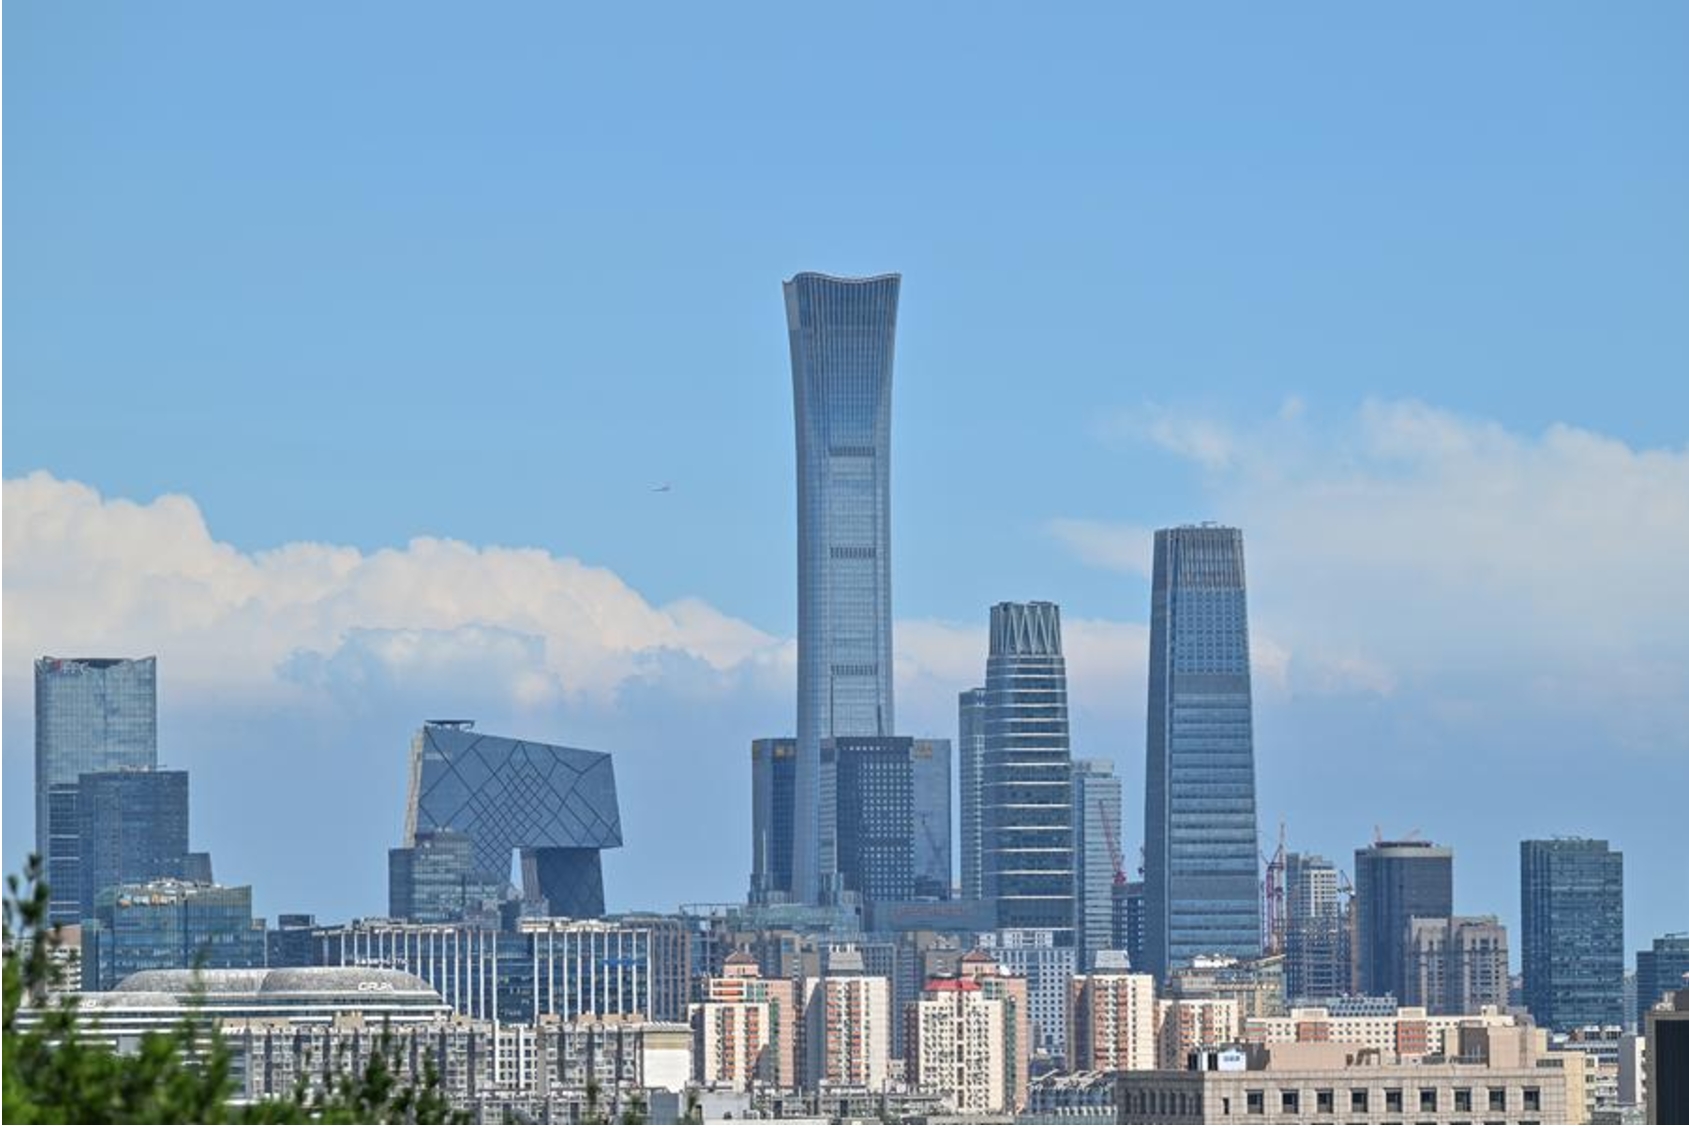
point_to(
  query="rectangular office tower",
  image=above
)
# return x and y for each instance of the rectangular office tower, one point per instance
(773, 790)
(1202, 890)
(1395, 881)
(1096, 844)
(1027, 812)
(1571, 920)
(842, 332)
(930, 774)
(91, 714)
(134, 828)
(970, 775)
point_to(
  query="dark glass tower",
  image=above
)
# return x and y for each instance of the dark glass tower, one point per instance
(134, 828)
(1396, 881)
(773, 788)
(1572, 926)
(1202, 891)
(92, 714)
(876, 815)
(1027, 813)
(842, 333)
(970, 753)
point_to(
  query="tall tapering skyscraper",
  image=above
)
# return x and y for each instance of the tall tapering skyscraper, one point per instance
(91, 714)
(1202, 891)
(1027, 813)
(842, 334)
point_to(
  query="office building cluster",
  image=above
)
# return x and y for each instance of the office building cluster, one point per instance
(935, 924)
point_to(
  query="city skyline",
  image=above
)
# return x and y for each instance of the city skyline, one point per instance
(314, 568)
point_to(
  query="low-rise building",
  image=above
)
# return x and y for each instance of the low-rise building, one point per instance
(1407, 1033)
(1502, 1074)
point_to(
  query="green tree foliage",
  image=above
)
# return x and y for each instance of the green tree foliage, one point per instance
(54, 1072)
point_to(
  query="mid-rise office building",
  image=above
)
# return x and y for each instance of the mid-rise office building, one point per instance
(1112, 1015)
(134, 828)
(774, 764)
(970, 774)
(1661, 969)
(1256, 984)
(1202, 890)
(1027, 815)
(1096, 847)
(437, 880)
(842, 333)
(556, 806)
(1316, 948)
(1395, 881)
(169, 925)
(92, 715)
(292, 942)
(1455, 965)
(956, 1046)
(1572, 932)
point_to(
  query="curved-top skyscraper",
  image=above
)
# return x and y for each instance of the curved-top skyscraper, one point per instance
(842, 334)
(1202, 890)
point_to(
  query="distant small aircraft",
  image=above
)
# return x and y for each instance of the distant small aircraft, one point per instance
(663, 488)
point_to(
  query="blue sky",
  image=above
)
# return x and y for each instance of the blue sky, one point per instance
(1399, 292)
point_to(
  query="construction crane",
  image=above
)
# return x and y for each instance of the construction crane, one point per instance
(1114, 856)
(1272, 898)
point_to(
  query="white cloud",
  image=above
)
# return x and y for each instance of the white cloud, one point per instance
(1411, 543)
(1126, 548)
(85, 573)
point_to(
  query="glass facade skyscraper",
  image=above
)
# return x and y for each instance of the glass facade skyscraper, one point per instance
(930, 775)
(1096, 834)
(1027, 813)
(556, 805)
(842, 332)
(1572, 930)
(1395, 881)
(134, 828)
(876, 815)
(169, 925)
(970, 773)
(1202, 890)
(774, 765)
(92, 714)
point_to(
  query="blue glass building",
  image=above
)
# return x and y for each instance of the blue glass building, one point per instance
(930, 777)
(1096, 836)
(169, 925)
(554, 805)
(134, 828)
(842, 332)
(92, 714)
(1202, 891)
(773, 791)
(1572, 926)
(1026, 824)
(970, 774)
(875, 791)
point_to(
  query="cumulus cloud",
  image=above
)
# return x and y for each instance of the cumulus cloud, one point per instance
(87, 573)
(1409, 542)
